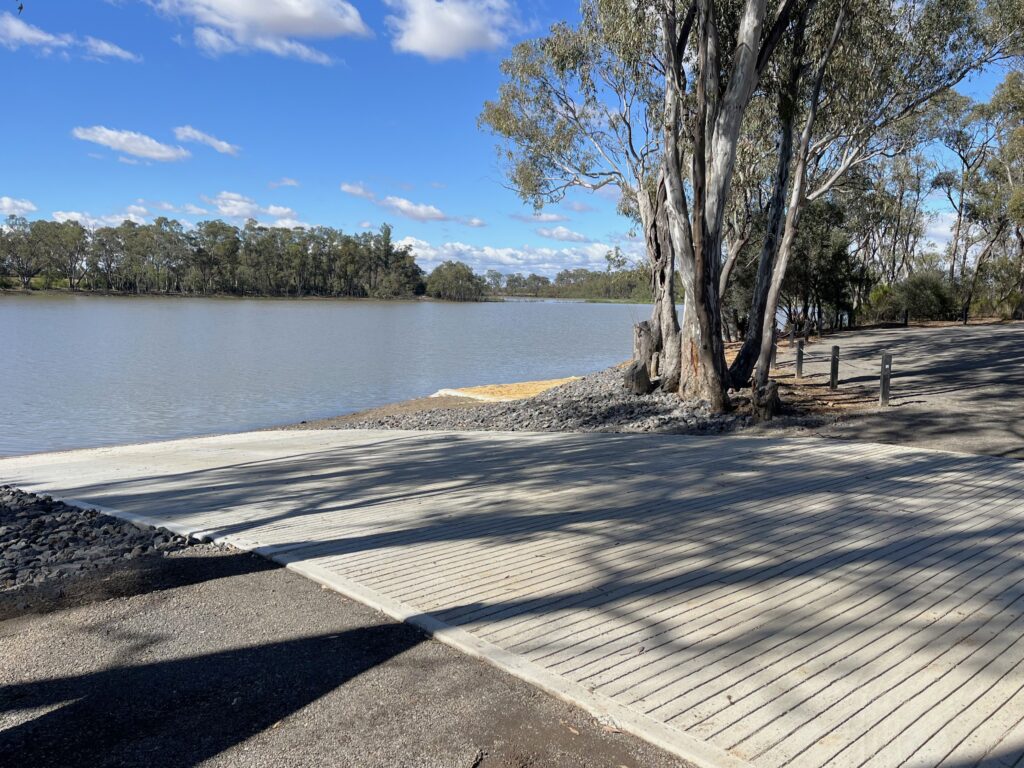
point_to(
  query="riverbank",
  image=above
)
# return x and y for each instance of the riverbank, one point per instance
(60, 291)
(953, 387)
(597, 402)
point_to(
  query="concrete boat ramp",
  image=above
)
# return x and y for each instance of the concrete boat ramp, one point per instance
(734, 600)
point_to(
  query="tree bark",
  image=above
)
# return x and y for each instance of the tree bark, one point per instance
(743, 365)
(797, 200)
(664, 360)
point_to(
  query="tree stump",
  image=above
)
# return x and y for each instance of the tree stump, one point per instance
(765, 402)
(644, 343)
(637, 379)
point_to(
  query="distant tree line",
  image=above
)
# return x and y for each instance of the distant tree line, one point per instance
(213, 258)
(621, 280)
(217, 258)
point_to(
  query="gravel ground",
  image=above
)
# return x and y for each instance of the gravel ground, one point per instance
(43, 540)
(198, 655)
(594, 403)
(954, 387)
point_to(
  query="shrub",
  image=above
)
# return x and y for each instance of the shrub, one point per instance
(924, 295)
(455, 281)
(927, 296)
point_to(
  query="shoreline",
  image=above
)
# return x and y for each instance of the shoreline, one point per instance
(493, 299)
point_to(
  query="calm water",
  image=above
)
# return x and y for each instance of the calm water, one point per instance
(87, 370)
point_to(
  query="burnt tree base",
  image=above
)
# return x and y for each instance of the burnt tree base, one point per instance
(636, 378)
(765, 402)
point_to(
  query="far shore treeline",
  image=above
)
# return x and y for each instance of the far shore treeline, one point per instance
(217, 258)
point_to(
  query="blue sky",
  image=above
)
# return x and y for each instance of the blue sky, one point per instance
(289, 111)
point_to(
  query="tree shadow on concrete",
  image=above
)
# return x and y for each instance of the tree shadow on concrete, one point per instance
(741, 520)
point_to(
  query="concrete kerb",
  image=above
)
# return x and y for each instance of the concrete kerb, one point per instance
(604, 710)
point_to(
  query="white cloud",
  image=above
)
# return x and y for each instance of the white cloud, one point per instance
(281, 211)
(542, 218)
(233, 205)
(417, 211)
(193, 210)
(284, 181)
(16, 33)
(15, 206)
(448, 29)
(562, 233)
(940, 229)
(578, 206)
(407, 208)
(272, 26)
(131, 213)
(131, 143)
(357, 189)
(213, 42)
(365, 224)
(188, 133)
(547, 261)
(103, 49)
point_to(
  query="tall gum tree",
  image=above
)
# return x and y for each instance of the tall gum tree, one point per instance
(995, 199)
(580, 108)
(715, 54)
(877, 65)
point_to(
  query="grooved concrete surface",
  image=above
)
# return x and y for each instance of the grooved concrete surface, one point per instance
(776, 602)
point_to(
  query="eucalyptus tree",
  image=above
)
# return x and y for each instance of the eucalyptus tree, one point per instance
(19, 254)
(967, 133)
(455, 281)
(715, 55)
(895, 196)
(170, 254)
(52, 248)
(874, 67)
(105, 256)
(995, 202)
(581, 108)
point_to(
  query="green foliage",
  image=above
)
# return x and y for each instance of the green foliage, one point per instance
(821, 270)
(625, 284)
(214, 258)
(580, 106)
(455, 281)
(924, 295)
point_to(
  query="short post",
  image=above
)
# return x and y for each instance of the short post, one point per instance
(833, 379)
(792, 333)
(775, 347)
(906, 317)
(883, 387)
(800, 359)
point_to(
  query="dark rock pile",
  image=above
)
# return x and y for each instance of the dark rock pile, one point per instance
(42, 539)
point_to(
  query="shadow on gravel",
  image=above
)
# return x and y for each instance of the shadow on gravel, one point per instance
(179, 713)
